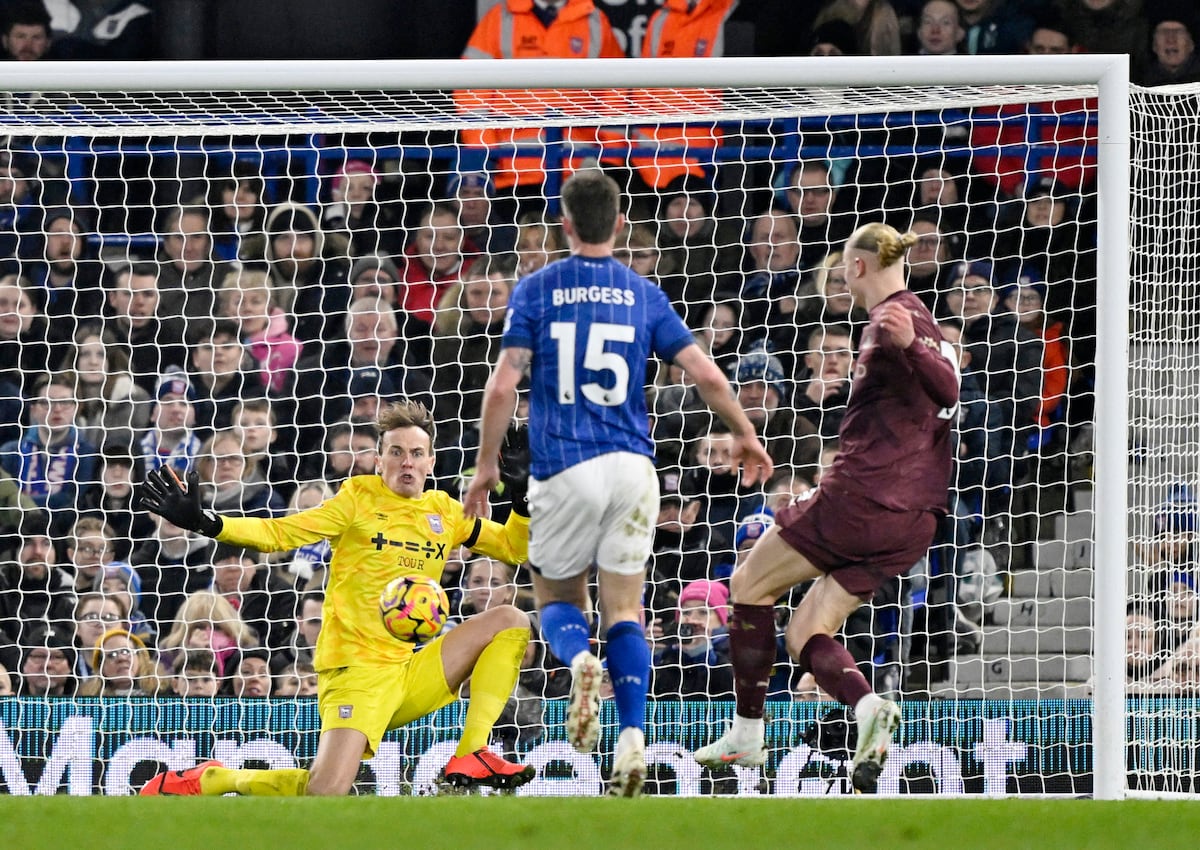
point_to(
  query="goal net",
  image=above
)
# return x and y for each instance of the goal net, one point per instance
(233, 272)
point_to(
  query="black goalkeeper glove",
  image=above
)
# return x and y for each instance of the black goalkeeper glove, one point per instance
(514, 467)
(163, 494)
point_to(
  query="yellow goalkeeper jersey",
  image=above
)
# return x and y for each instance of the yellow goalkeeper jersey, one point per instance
(376, 535)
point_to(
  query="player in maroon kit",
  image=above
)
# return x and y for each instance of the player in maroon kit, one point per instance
(872, 517)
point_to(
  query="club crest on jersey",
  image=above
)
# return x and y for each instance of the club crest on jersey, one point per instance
(702, 47)
(435, 523)
(576, 44)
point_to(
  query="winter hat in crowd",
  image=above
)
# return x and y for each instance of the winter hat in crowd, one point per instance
(761, 366)
(712, 593)
(350, 168)
(175, 384)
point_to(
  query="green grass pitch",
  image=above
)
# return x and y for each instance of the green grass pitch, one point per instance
(451, 823)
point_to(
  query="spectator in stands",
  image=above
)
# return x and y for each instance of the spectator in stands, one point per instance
(1109, 26)
(23, 352)
(701, 253)
(1173, 56)
(53, 464)
(308, 565)
(929, 261)
(350, 449)
(170, 439)
(231, 478)
(994, 26)
(1006, 360)
(811, 194)
(484, 232)
(89, 548)
(264, 604)
(246, 298)
(517, 29)
(1051, 240)
(465, 347)
(124, 667)
(355, 210)
(718, 327)
(785, 487)
(6, 682)
(710, 474)
(772, 268)
(1025, 298)
(249, 673)
(433, 260)
(308, 269)
(206, 620)
(306, 628)
(26, 36)
(835, 37)
(254, 419)
(696, 665)
(67, 278)
(874, 21)
(33, 588)
(748, 530)
(765, 395)
(112, 408)
(195, 674)
(298, 679)
(540, 241)
(217, 377)
(238, 216)
(95, 613)
(151, 344)
(1141, 652)
(637, 248)
(189, 273)
(48, 663)
(684, 549)
(489, 584)
(939, 29)
(1050, 35)
(120, 581)
(114, 500)
(831, 300)
(940, 195)
(677, 411)
(372, 339)
(171, 563)
(822, 396)
(375, 277)
(21, 219)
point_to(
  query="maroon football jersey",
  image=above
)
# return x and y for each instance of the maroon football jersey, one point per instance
(895, 437)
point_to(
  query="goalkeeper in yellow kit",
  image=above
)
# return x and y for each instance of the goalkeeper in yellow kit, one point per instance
(380, 526)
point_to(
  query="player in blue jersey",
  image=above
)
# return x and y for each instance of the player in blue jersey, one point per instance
(585, 327)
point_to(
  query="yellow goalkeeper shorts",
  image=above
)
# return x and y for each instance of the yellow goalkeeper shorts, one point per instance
(374, 699)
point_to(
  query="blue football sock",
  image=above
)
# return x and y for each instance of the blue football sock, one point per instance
(628, 657)
(565, 630)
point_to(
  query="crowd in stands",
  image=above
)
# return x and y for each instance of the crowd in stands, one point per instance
(256, 338)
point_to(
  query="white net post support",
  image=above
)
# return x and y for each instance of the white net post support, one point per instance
(304, 97)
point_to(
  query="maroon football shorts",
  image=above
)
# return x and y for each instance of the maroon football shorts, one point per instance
(857, 542)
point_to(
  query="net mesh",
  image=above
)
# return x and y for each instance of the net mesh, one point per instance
(234, 282)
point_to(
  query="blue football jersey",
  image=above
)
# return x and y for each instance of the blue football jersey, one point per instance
(592, 325)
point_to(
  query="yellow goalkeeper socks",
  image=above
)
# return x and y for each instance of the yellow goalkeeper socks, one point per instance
(492, 683)
(287, 782)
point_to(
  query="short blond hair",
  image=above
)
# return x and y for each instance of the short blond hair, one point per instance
(883, 240)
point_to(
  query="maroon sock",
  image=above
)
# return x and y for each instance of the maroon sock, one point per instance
(752, 650)
(834, 669)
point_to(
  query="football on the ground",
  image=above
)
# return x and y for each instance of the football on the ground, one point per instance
(414, 607)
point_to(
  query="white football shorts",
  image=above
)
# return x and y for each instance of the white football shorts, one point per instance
(602, 511)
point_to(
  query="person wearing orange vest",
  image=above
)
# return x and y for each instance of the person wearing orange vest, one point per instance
(680, 28)
(534, 29)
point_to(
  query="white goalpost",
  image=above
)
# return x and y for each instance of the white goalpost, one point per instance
(1022, 690)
